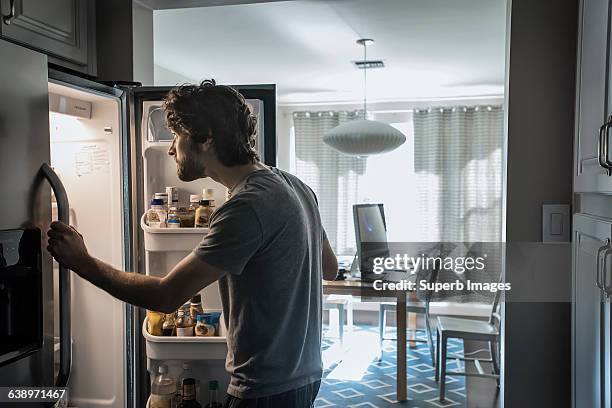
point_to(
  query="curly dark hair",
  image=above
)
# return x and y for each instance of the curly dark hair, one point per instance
(216, 111)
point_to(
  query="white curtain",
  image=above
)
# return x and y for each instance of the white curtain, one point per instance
(458, 160)
(333, 176)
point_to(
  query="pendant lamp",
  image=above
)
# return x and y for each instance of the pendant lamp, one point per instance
(364, 137)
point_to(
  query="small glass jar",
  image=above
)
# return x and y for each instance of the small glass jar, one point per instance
(169, 326)
(203, 213)
(173, 218)
(186, 216)
(184, 324)
(156, 216)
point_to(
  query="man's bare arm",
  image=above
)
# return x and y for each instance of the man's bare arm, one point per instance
(330, 263)
(162, 294)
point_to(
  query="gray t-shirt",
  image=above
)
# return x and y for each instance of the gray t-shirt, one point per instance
(269, 238)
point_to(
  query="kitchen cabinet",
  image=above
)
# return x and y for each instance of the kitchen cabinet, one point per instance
(62, 29)
(593, 160)
(592, 281)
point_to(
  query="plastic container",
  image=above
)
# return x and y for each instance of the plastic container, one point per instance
(171, 239)
(156, 215)
(163, 389)
(184, 348)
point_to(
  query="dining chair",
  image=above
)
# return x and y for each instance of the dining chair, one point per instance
(468, 329)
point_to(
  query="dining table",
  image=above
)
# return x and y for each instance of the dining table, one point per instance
(404, 320)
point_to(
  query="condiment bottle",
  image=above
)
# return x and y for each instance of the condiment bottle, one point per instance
(189, 394)
(208, 194)
(163, 197)
(195, 306)
(169, 326)
(173, 219)
(156, 216)
(172, 193)
(184, 324)
(187, 373)
(213, 401)
(203, 214)
(194, 201)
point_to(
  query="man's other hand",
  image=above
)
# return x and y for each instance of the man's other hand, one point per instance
(67, 246)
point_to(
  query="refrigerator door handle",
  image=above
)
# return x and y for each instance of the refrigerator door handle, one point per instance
(604, 273)
(600, 147)
(63, 214)
(606, 146)
(8, 18)
(599, 266)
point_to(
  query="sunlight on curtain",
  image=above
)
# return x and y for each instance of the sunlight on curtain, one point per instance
(458, 160)
(334, 177)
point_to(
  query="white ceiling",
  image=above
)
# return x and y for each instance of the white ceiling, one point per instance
(432, 48)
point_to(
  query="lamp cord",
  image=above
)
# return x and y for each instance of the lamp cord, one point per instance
(365, 80)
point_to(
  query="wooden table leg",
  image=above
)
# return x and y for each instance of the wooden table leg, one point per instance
(412, 325)
(402, 375)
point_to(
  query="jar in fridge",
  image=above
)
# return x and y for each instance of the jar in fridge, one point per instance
(173, 196)
(173, 219)
(156, 216)
(163, 197)
(195, 306)
(184, 324)
(194, 201)
(169, 326)
(203, 213)
(186, 217)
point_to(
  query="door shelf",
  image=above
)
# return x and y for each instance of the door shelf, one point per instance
(170, 239)
(184, 348)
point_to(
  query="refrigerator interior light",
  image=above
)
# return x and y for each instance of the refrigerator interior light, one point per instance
(69, 106)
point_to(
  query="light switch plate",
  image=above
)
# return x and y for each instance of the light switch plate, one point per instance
(556, 223)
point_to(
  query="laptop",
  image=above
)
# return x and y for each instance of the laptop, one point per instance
(371, 241)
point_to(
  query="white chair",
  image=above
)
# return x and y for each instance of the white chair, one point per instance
(468, 329)
(412, 306)
(340, 303)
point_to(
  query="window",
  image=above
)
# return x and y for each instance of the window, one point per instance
(443, 184)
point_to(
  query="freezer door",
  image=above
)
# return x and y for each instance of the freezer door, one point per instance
(26, 202)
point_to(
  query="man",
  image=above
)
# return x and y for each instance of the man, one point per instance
(266, 247)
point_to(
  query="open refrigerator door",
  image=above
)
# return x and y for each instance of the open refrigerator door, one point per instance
(163, 248)
(86, 141)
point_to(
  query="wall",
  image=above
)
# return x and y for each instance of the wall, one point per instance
(540, 106)
(165, 77)
(142, 31)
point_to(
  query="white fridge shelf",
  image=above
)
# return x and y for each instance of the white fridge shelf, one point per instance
(171, 239)
(184, 348)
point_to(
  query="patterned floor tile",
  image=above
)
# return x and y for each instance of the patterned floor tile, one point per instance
(376, 386)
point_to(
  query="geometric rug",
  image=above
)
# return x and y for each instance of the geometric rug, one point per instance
(353, 376)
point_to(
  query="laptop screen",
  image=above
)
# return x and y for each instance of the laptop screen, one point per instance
(370, 234)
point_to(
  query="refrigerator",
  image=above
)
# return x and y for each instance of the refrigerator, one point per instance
(93, 155)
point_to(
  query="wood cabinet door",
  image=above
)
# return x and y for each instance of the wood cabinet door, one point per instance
(591, 99)
(62, 29)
